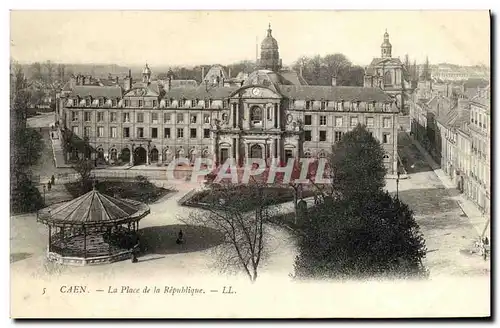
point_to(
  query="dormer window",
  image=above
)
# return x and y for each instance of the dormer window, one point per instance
(101, 102)
(308, 104)
(114, 102)
(88, 101)
(194, 103)
(323, 105)
(141, 103)
(206, 105)
(75, 101)
(181, 103)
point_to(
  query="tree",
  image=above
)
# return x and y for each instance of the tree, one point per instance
(354, 77)
(84, 169)
(36, 71)
(24, 196)
(336, 65)
(368, 237)
(240, 217)
(356, 164)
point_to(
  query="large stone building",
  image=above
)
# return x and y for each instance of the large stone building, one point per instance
(389, 74)
(271, 113)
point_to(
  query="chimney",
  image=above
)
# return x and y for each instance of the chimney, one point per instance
(229, 72)
(202, 73)
(169, 83)
(128, 81)
(334, 81)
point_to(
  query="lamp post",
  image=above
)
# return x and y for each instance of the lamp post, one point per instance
(397, 185)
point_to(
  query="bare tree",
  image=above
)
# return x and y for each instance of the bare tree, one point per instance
(240, 214)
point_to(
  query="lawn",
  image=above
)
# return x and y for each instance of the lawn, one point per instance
(140, 189)
(273, 195)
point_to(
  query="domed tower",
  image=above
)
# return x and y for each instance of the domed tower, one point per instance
(386, 47)
(269, 53)
(146, 74)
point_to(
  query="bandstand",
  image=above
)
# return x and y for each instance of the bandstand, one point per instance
(93, 229)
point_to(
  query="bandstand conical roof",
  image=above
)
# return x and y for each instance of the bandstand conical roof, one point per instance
(94, 208)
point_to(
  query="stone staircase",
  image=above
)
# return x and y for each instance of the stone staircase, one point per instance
(57, 150)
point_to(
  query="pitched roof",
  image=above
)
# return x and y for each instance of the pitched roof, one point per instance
(200, 92)
(94, 208)
(293, 77)
(310, 92)
(96, 91)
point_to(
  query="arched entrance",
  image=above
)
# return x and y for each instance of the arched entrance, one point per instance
(100, 153)
(114, 154)
(139, 156)
(288, 154)
(125, 156)
(256, 151)
(154, 155)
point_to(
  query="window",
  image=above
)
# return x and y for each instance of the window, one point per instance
(256, 115)
(181, 103)
(338, 136)
(112, 117)
(354, 121)
(74, 116)
(225, 118)
(308, 120)
(167, 117)
(206, 133)
(100, 131)
(140, 117)
(323, 105)
(192, 133)
(154, 133)
(206, 105)
(386, 138)
(126, 118)
(180, 118)
(141, 103)
(322, 135)
(154, 118)
(387, 122)
(140, 132)
(126, 103)
(86, 131)
(322, 120)
(155, 103)
(369, 122)
(101, 102)
(309, 104)
(74, 130)
(88, 101)
(126, 132)
(338, 121)
(87, 116)
(112, 132)
(100, 117)
(166, 133)
(206, 118)
(307, 136)
(180, 133)
(194, 118)
(269, 113)
(194, 103)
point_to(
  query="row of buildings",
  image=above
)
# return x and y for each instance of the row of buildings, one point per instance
(271, 113)
(453, 122)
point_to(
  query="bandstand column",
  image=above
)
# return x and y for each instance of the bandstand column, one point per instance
(84, 242)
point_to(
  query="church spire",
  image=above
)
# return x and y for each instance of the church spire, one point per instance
(386, 47)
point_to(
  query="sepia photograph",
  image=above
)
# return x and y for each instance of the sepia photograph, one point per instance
(250, 164)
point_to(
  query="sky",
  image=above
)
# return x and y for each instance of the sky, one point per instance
(209, 37)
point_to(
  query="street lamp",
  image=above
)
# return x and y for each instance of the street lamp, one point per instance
(397, 185)
(44, 194)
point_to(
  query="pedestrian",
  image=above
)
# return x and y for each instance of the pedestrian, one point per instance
(52, 179)
(49, 186)
(180, 238)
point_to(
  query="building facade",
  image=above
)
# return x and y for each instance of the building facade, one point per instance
(271, 114)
